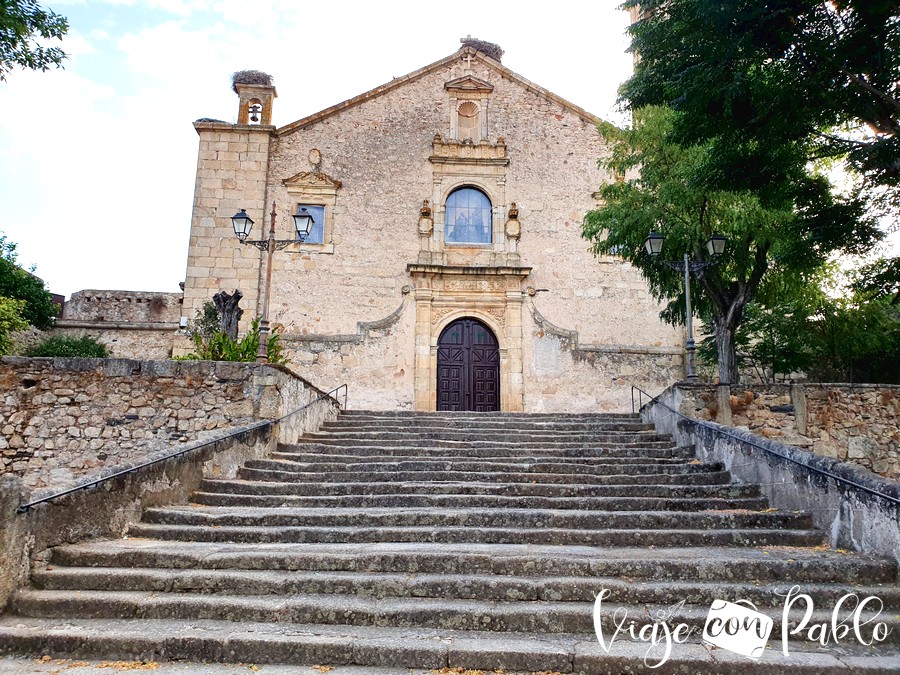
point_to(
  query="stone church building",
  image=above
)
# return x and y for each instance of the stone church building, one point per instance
(446, 268)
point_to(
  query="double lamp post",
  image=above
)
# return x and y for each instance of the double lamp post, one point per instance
(715, 246)
(303, 223)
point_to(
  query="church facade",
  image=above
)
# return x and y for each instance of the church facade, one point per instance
(445, 268)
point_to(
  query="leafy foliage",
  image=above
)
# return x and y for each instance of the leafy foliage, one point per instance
(17, 283)
(11, 320)
(22, 22)
(220, 347)
(767, 247)
(854, 339)
(207, 323)
(59, 345)
(772, 85)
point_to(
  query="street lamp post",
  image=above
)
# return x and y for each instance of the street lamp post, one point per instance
(715, 245)
(242, 223)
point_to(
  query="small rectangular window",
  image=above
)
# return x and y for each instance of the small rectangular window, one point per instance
(317, 234)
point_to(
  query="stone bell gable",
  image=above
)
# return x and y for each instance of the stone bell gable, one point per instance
(452, 194)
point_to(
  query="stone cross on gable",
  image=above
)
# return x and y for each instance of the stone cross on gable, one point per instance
(468, 58)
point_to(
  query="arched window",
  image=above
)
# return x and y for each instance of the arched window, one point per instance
(468, 217)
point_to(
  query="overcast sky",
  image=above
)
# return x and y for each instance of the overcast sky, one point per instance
(97, 160)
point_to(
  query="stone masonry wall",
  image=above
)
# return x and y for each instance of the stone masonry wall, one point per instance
(380, 151)
(61, 419)
(123, 342)
(124, 306)
(859, 424)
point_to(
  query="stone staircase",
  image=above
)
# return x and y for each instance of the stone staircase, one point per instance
(454, 540)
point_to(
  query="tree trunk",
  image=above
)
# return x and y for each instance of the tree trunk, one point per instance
(727, 355)
(229, 311)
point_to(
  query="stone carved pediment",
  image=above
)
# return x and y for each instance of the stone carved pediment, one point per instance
(310, 180)
(469, 84)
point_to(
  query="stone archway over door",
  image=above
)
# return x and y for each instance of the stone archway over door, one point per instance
(468, 367)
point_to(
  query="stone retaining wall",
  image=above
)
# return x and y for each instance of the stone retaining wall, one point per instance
(854, 508)
(858, 423)
(61, 419)
(86, 419)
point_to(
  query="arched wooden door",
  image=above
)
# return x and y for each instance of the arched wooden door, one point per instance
(468, 367)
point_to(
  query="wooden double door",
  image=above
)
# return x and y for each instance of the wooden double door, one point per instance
(468, 367)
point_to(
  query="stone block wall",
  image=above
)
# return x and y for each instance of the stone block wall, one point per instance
(857, 423)
(61, 419)
(123, 306)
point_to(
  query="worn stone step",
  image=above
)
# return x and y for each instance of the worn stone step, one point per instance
(569, 465)
(426, 446)
(699, 477)
(773, 564)
(452, 586)
(378, 453)
(403, 500)
(473, 517)
(343, 423)
(298, 644)
(373, 648)
(541, 472)
(457, 416)
(467, 435)
(662, 490)
(670, 536)
(395, 612)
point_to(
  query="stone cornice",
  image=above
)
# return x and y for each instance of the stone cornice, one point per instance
(227, 126)
(461, 270)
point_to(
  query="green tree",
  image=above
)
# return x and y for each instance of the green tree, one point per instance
(766, 245)
(17, 283)
(769, 85)
(11, 320)
(23, 24)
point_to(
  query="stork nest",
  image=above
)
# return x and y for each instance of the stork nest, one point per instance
(489, 48)
(250, 77)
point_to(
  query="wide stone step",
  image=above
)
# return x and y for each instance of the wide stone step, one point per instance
(699, 477)
(483, 535)
(374, 647)
(456, 416)
(661, 490)
(427, 446)
(541, 472)
(473, 517)
(701, 564)
(324, 453)
(466, 435)
(395, 612)
(343, 423)
(568, 465)
(450, 586)
(480, 501)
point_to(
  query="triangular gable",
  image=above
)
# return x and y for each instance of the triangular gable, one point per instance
(422, 72)
(468, 83)
(310, 180)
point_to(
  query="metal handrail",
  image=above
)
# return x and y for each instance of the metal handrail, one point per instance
(24, 508)
(822, 472)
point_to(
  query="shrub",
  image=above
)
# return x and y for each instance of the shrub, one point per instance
(220, 347)
(58, 345)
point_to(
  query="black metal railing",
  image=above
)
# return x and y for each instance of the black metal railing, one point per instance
(332, 395)
(722, 432)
